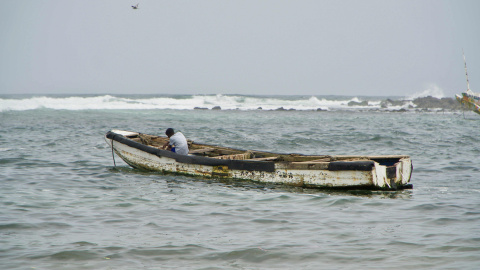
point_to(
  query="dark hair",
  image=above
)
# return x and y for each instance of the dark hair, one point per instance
(169, 132)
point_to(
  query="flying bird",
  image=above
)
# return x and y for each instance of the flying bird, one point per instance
(135, 7)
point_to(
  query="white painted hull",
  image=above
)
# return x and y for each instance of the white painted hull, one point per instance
(301, 174)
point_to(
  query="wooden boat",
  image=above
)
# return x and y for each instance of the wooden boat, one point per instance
(469, 99)
(145, 152)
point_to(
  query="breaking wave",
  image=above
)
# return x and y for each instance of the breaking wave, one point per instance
(219, 101)
(225, 102)
(432, 91)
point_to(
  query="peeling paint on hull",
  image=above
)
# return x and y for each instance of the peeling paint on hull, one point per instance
(347, 174)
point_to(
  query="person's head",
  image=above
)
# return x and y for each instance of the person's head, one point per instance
(169, 132)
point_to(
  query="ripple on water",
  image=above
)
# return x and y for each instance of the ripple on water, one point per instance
(29, 226)
(461, 168)
(163, 252)
(444, 221)
(342, 201)
(253, 255)
(269, 221)
(76, 255)
(124, 205)
(17, 226)
(84, 243)
(6, 161)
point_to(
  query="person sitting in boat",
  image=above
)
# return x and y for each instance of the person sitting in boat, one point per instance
(177, 142)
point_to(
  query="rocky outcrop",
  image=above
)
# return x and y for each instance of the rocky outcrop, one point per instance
(354, 103)
(390, 102)
(432, 102)
(424, 103)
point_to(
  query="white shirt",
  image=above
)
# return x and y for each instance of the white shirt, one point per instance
(180, 143)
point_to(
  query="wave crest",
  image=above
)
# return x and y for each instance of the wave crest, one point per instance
(219, 101)
(432, 91)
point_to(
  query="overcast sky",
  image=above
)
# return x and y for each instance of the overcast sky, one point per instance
(294, 47)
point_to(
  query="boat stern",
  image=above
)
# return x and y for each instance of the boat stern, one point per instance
(392, 173)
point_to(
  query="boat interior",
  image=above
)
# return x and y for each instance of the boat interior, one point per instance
(219, 152)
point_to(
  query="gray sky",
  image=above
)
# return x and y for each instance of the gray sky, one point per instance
(369, 47)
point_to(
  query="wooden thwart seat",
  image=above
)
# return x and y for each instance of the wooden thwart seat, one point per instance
(327, 159)
(200, 151)
(241, 156)
(263, 159)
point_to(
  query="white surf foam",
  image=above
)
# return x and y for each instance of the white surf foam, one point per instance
(432, 90)
(225, 102)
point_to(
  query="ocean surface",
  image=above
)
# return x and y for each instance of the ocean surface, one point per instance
(64, 205)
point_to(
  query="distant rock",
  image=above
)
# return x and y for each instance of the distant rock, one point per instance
(423, 103)
(389, 102)
(200, 108)
(354, 103)
(280, 109)
(433, 103)
(217, 108)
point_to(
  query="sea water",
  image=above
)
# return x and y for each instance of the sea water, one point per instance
(65, 205)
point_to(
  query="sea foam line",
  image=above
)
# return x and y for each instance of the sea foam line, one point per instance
(225, 102)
